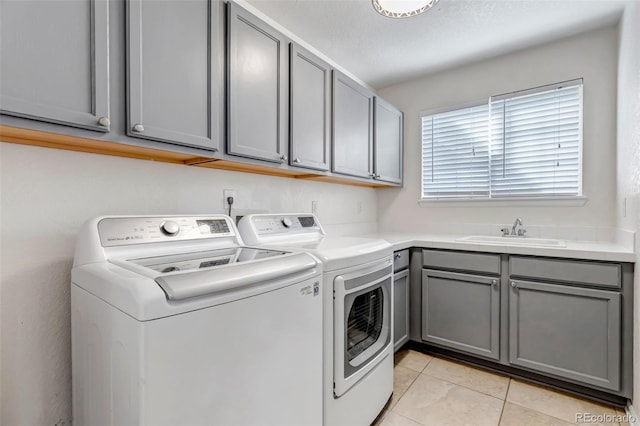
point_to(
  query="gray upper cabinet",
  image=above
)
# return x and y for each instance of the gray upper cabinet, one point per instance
(310, 110)
(352, 127)
(461, 311)
(257, 88)
(174, 62)
(55, 62)
(387, 142)
(569, 332)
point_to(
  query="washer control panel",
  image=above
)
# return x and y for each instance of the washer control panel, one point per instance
(119, 231)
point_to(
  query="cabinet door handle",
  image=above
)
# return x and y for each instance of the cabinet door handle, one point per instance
(397, 255)
(296, 160)
(372, 175)
(376, 176)
(514, 284)
(138, 128)
(104, 121)
(284, 157)
(494, 283)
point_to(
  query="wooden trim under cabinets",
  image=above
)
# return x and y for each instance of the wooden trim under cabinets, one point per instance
(74, 143)
(9, 134)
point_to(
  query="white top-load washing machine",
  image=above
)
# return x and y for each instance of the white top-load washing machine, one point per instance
(358, 277)
(175, 322)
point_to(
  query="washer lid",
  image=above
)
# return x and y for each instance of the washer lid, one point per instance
(186, 275)
(203, 259)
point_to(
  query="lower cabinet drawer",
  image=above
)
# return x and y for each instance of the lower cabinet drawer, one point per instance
(570, 271)
(483, 263)
(462, 312)
(568, 332)
(400, 260)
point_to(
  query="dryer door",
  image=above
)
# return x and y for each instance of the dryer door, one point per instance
(362, 315)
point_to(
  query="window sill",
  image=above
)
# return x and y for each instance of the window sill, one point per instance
(505, 202)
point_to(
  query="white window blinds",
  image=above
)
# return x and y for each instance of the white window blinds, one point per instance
(524, 144)
(455, 153)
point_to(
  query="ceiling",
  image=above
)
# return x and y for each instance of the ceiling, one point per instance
(383, 51)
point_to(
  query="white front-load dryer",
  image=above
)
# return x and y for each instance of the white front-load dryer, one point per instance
(358, 300)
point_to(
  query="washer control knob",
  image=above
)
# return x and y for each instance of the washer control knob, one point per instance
(170, 228)
(287, 222)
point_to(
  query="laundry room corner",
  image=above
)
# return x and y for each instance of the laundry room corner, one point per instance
(48, 194)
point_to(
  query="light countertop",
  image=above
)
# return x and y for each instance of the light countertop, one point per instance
(591, 250)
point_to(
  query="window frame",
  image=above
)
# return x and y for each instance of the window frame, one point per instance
(531, 200)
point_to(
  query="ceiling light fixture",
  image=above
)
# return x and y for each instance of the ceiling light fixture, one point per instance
(402, 8)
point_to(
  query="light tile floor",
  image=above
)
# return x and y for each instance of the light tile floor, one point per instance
(430, 391)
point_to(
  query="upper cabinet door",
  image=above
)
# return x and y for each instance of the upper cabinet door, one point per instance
(55, 61)
(257, 88)
(352, 127)
(387, 142)
(310, 110)
(174, 71)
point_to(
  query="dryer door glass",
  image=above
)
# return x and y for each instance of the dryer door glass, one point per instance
(364, 323)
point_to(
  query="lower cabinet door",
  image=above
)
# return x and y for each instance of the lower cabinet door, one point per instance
(569, 332)
(462, 312)
(400, 308)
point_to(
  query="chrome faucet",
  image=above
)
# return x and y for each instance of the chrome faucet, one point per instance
(517, 223)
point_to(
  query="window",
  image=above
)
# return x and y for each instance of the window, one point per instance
(523, 144)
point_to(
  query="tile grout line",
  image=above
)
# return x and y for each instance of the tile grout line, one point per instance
(410, 384)
(504, 402)
(467, 387)
(547, 414)
(409, 418)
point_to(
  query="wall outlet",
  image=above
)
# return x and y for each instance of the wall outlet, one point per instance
(226, 193)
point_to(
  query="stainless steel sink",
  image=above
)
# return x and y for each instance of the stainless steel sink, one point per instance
(513, 241)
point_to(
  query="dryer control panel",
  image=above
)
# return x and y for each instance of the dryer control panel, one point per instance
(282, 224)
(285, 224)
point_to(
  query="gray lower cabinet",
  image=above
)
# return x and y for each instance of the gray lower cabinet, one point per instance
(400, 308)
(309, 110)
(387, 142)
(174, 64)
(55, 62)
(352, 127)
(566, 331)
(567, 319)
(462, 312)
(258, 81)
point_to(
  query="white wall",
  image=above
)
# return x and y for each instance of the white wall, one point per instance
(592, 56)
(47, 194)
(629, 117)
(629, 157)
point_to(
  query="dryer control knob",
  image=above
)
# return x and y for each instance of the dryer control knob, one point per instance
(287, 222)
(170, 228)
